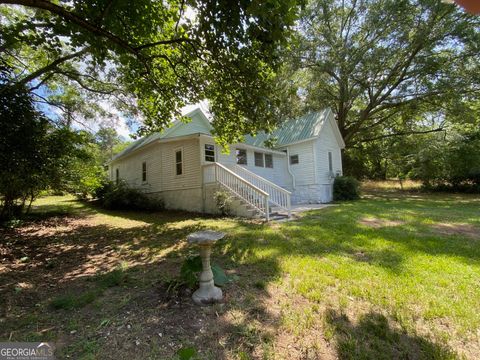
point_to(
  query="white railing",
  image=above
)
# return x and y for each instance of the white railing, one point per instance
(278, 195)
(248, 192)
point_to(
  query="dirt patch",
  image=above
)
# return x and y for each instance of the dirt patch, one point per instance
(466, 230)
(377, 223)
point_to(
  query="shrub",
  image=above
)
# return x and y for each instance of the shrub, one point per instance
(345, 188)
(223, 201)
(121, 197)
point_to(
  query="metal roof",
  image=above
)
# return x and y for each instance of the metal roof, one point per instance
(292, 131)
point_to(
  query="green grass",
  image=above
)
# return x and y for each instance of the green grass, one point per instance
(394, 275)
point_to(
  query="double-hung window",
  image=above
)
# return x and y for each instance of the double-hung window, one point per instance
(210, 152)
(259, 159)
(263, 160)
(241, 156)
(269, 161)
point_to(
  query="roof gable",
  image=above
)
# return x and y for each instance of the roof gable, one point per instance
(199, 124)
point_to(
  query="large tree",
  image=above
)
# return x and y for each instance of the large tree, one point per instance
(388, 67)
(152, 57)
(34, 154)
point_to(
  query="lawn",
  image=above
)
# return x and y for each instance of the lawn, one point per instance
(395, 275)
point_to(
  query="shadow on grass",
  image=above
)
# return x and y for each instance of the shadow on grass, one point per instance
(372, 337)
(63, 266)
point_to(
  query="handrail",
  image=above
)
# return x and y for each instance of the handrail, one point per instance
(278, 195)
(251, 194)
(251, 173)
(242, 179)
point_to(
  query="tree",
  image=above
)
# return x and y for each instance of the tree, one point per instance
(152, 57)
(388, 68)
(34, 155)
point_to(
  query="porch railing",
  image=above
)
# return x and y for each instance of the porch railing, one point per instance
(278, 195)
(242, 188)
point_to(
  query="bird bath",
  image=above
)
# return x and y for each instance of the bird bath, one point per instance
(208, 293)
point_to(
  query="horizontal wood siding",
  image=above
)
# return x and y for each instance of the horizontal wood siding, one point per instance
(278, 174)
(325, 143)
(191, 176)
(304, 171)
(130, 169)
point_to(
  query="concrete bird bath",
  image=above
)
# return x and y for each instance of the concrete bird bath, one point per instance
(207, 293)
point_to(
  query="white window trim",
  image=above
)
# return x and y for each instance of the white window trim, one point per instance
(205, 153)
(175, 161)
(265, 160)
(246, 156)
(255, 159)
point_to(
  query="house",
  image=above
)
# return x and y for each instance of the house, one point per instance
(184, 167)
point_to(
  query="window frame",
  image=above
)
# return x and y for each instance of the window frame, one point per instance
(237, 151)
(271, 159)
(330, 161)
(176, 151)
(117, 175)
(291, 162)
(256, 157)
(144, 171)
(205, 152)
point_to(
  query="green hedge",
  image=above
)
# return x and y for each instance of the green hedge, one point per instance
(121, 197)
(346, 188)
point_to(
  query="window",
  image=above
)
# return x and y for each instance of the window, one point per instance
(178, 162)
(294, 159)
(269, 161)
(117, 175)
(330, 162)
(258, 159)
(144, 171)
(209, 152)
(241, 156)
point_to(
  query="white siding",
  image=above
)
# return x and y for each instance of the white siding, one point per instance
(325, 143)
(304, 171)
(278, 174)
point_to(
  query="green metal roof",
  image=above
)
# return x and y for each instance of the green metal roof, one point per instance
(198, 125)
(292, 131)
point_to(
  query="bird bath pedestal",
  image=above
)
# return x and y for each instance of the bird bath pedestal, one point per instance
(208, 293)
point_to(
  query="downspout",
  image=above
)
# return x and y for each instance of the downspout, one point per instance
(289, 170)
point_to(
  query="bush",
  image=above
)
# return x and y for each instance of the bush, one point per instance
(121, 197)
(345, 188)
(224, 202)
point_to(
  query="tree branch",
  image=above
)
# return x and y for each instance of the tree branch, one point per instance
(401, 134)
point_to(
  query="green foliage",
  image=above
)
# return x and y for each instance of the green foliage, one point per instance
(34, 154)
(155, 60)
(387, 68)
(114, 278)
(449, 164)
(121, 197)
(192, 266)
(186, 353)
(190, 269)
(346, 188)
(223, 200)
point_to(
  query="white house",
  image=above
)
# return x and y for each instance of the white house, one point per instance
(184, 166)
